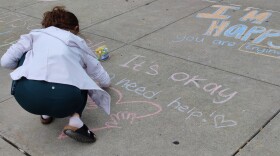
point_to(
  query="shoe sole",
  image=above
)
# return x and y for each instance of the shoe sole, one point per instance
(79, 137)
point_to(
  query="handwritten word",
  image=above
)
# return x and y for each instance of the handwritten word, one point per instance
(240, 31)
(218, 119)
(190, 111)
(223, 43)
(253, 15)
(133, 87)
(138, 65)
(260, 50)
(189, 38)
(211, 88)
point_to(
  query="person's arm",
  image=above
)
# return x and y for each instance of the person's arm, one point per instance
(95, 70)
(14, 53)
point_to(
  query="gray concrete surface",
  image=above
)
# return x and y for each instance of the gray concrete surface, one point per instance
(7, 149)
(89, 11)
(267, 142)
(176, 90)
(142, 21)
(262, 4)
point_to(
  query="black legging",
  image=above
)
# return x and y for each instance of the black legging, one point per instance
(46, 98)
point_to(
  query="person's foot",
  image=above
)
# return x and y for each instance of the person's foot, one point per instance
(46, 119)
(82, 134)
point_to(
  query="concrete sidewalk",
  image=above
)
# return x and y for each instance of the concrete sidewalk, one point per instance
(189, 77)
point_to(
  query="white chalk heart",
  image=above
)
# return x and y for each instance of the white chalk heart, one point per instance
(220, 122)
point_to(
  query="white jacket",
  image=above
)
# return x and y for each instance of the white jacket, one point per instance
(59, 56)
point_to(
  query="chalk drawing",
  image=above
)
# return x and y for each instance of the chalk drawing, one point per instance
(253, 8)
(125, 116)
(222, 94)
(255, 17)
(223, 43)
(91, 104)
(220, 13)
(188, 38)
(112, 76)
(196, 114)
(221, 26)
(260, 50)
(220, 122)
(134, 87)
(211, 88)
(9, 41)
(153, 68)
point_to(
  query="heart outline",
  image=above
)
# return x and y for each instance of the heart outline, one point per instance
(223, 123)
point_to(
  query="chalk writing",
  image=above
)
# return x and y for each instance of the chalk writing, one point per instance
(224, 43)
(138, 65)
(133, 87)
(220, 24)
(188, 38)
(115, 119)
(193, 112)
(260, 50)
(222, 94)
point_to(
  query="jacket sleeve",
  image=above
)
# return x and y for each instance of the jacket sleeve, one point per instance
(95, 70)
(14, 53)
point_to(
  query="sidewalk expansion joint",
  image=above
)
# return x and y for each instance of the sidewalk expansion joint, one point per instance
(187, 60)
(171, 23)
(14, 145)
(14, 10)
(6, 99)
(254, 135)
(119, 14)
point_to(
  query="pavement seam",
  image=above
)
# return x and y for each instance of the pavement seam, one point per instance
(148, 3)
(129, 43)
(256, 133)
(6, 99)
(14, 145)
(170, 23)
(103, 36)
(245, 6)
(187, 60)
(21, 13)
(20, 7)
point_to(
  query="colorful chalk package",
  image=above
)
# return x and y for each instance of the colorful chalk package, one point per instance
(102, 53)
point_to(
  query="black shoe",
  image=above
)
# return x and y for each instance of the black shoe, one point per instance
(82, 134)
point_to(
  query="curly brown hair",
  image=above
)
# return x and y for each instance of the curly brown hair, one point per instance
(61, 18)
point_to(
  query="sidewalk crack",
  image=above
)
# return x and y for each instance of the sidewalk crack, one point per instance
(14, 145)
(256, 133)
